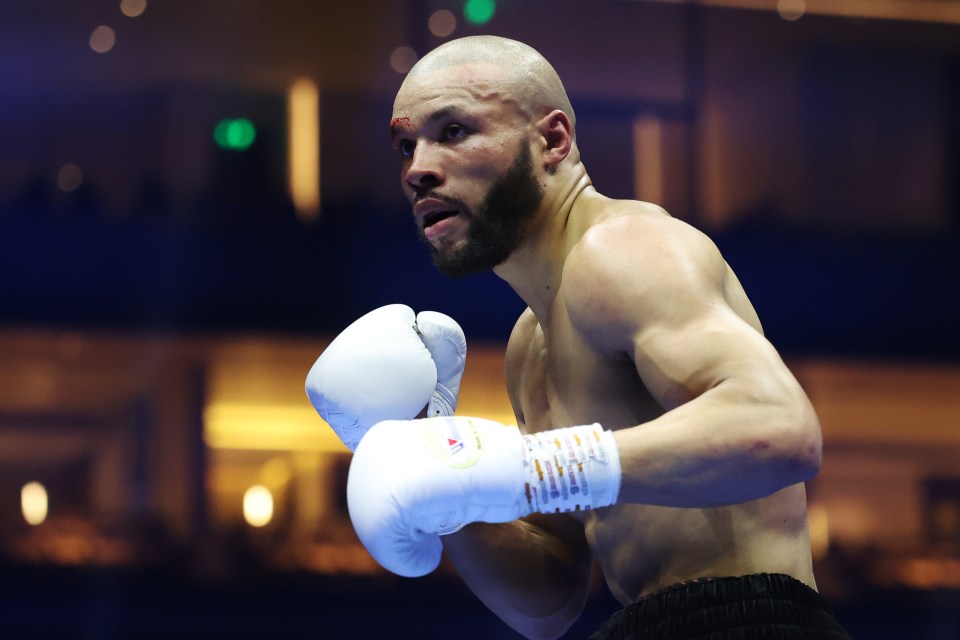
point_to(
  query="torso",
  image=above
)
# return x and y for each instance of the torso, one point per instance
(556, 379)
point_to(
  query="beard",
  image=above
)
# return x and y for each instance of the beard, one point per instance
(498, 226)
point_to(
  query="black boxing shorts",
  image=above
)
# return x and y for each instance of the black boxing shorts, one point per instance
(753, 607)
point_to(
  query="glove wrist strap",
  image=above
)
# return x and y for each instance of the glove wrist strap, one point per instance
(443, 402)
(571, 469)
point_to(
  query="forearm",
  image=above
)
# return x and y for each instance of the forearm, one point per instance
(533, 575)
(728, 445)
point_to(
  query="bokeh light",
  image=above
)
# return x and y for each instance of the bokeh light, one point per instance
(34, 503)
(402, 59)
(479, 12)
(258, 506)
(276, 472)
(133, 8)
(69, 178)
(235, 134)
(442, 23)
(303, 147)
(819, 525)
(791, 9)
(102, 39)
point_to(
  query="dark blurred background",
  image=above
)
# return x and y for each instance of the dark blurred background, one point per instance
(196, 196)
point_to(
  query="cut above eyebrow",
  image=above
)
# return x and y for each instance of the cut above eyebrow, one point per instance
(397, 124)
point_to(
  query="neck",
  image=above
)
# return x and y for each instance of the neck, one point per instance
(534, 269)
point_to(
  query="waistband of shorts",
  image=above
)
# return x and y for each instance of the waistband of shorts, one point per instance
(764, 605)
(692, 594)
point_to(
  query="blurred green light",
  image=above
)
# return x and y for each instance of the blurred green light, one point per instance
(479, 12)
(236, 134)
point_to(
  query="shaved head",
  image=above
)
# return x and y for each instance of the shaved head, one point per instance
(484, 130)
(523, 74)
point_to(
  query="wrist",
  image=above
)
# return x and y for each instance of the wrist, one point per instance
(571, 469)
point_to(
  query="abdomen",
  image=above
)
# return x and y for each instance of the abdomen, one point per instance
(644, 548)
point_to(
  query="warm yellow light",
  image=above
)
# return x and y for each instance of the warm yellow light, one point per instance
(267, 427)
(276, 472)
(258, 506)
(133, 8)
(102, 39)
(255, 399)
(928, 573)
(34, 503)
(303, 120)
(819, 531)
(442, 23)
(648, 158)
(402, 59)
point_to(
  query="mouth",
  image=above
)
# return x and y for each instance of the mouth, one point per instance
(430, 211)
(434, 217)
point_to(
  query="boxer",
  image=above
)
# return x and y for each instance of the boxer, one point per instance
(658, 432)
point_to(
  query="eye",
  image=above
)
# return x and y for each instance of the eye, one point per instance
(406, 147)
(454, 131)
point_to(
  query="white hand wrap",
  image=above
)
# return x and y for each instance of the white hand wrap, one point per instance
(411, 481)
(571, 469)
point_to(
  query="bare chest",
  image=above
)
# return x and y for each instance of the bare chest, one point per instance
(562, 382)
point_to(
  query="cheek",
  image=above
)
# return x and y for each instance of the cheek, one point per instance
(483, 163)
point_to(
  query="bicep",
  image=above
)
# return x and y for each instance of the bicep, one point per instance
(670, 305)
(681, 360)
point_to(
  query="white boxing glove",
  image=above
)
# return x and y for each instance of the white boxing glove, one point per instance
(448, 347)
(412, 481)
(378, 368)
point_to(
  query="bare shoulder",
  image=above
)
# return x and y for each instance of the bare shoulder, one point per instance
(636, 266)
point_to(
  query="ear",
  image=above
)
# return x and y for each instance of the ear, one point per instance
(557, 133)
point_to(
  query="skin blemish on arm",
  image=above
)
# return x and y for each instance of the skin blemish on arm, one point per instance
(759, 445)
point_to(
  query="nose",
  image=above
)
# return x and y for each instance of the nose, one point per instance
(424, 170)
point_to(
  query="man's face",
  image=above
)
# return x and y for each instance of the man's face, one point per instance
(467, 167)
(496, 227)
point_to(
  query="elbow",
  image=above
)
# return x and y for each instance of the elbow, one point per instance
(549, 622)
(789, 446)
(803, 445)
(546, 628)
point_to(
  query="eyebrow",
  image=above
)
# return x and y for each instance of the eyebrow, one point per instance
(397, 124)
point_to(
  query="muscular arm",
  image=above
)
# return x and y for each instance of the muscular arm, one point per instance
(737, 426)
(533, 573)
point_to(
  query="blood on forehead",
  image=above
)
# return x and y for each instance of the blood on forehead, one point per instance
(396, 123)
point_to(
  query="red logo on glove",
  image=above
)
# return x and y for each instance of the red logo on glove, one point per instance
(454, 445)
